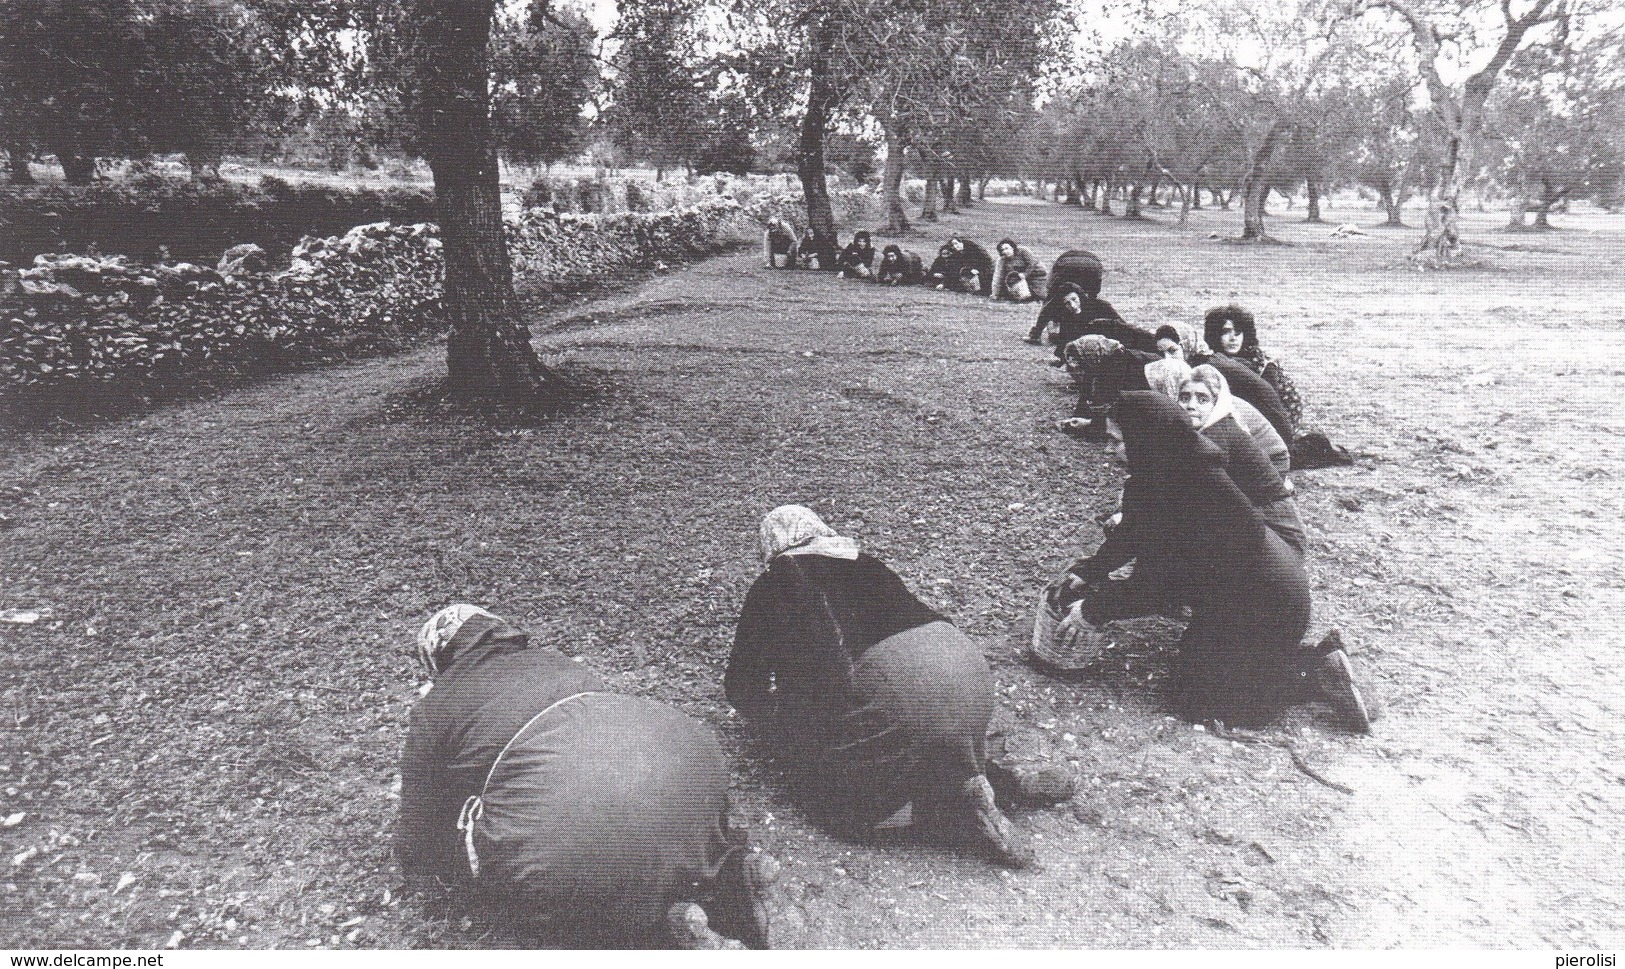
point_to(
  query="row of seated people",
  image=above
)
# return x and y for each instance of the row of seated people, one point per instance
(597, 818)
(1106, 356)
(961, 265)
(1207, 522)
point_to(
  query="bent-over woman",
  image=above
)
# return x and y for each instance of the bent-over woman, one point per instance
(875, 699)
(962, 265)
(900, 267)
(598, 818)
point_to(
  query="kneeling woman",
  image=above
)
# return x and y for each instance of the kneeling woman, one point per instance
(1196, 540)
(876, 700)
(593, 817)
(1017, 275)
(899, 267)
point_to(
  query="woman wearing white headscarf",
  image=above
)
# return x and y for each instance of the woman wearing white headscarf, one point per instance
(1205, 398)
(879, 702)
(1168, 375)
(598, 818)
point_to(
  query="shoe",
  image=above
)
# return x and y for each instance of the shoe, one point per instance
(1333, 681)
(688, 928)
(738, 904)
(990, 832)
(1039, 788)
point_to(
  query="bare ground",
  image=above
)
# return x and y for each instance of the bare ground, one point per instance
(201, 737)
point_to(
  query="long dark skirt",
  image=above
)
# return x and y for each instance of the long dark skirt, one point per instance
(1241, 657)
(916, 728)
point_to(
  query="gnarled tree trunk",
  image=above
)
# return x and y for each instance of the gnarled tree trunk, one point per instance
(1313, 191)
(76, 168)
(891, 182)
(810, 153)
(1256, 187)
(488, 352)
(928, 207)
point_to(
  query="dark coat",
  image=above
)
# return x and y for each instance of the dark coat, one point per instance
(1255, 390)
(1094, 316)
(875, 699)
(899, 267)
(1197, 540)
(950, 266)
(606, 809)
(855, 255)
(493, 683)
(1250, 468)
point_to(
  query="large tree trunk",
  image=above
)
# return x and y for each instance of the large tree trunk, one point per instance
(1256, 187)
(891, 183)
(1549, 196)
(928, 208)
(488, 353)
(1073, 197)
(1516, 211)
(1393, 205)
(1103, 194)
(1460, 120)
(981, 188)
(1194, 197)
(1312, 188)
(950, 195)
(76, 168)
(964, 192)
(1131, 206)
(814, 124)
(17, 164)
(1185, 196)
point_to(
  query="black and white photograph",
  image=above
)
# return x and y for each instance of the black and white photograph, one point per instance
(1108, 476)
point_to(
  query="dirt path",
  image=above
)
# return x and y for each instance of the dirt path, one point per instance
(215, 704)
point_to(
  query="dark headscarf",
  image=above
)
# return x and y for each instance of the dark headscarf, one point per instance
(862, 235)
(1241, 319)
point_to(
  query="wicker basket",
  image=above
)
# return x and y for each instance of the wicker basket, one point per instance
(1047, 647)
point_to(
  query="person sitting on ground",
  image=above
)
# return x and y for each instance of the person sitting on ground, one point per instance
(962, 265)
(779, 242)
(900, 267)
(857, 260)
(877, 701)
(1167, 375)
(1233, 333)
(1197, 541)
(816, 252)
(597, 818)
(1205, 398)
(1017, 275)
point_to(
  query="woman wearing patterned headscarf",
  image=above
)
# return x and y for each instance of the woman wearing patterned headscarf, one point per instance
(1197, 541)
(515, 782)
(878, 701)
